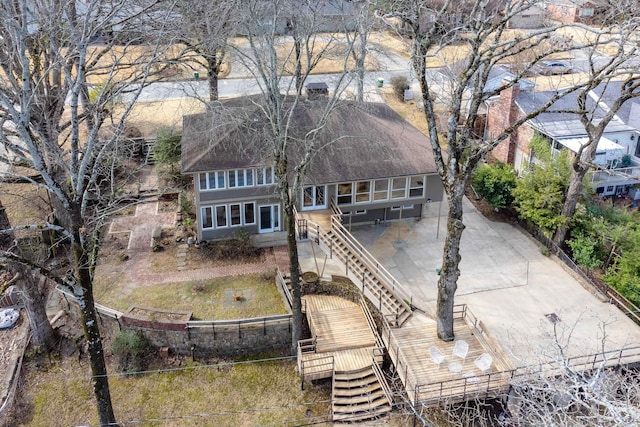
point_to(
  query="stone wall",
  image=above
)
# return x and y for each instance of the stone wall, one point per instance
(226, 338)
(211, 340)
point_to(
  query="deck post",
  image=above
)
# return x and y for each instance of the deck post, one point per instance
(330, 248)
(380, 300)
(346, 265)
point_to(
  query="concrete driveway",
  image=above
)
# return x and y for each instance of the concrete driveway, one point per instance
(506, 282)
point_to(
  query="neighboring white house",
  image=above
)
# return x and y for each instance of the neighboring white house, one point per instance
(617, 161)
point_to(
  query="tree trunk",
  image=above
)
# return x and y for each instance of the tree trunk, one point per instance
(298, 68)
(360, 82)
(213, 69)
(34, 292)
(449, 273)
(294, 271)
(43, 335)
(84, 293)
(571, 202)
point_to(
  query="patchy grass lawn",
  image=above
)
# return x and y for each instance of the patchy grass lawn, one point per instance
(332, 60)
(248, 394)
(25, 203)
(208, 300)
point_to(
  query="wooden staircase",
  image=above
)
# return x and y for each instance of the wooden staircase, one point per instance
(367, 276)
(149, 153)
(358, 396)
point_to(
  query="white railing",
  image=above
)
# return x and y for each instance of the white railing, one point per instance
(614, 175)
(372, 264)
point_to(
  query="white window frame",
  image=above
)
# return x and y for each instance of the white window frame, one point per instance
(404, 190)
(243, 174)
(244, 213)
(230, 217)
(217, 175)
(421, 187)
(314, 197)
(203, 216)
(403, 207)
(226, 216)
(379, 192)
(265, 176)
(363, 193)
(350, 195)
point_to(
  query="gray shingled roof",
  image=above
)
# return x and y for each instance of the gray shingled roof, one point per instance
(629, 112)
(560, 120)
(366, 141)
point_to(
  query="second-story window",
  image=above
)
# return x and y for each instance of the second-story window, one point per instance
(211, 180)
(240, 178)
(363, 191)
(265, 176)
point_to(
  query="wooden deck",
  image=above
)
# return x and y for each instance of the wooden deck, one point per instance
(341, 334)
(453, 380)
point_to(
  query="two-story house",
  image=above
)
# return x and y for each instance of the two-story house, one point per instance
(373, 164)
(616, 159)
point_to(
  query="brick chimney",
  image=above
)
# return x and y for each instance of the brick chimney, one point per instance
(500, 115)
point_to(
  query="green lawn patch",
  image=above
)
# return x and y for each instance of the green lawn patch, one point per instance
(236, 297)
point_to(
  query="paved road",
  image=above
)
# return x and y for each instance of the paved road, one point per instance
(241, 82)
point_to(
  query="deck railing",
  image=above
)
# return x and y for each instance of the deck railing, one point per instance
(320, 366)
(324, 240)
(253, 322)
(378, 355)
(371, 322)
(281, 281)
(370, 261)
(492, 383)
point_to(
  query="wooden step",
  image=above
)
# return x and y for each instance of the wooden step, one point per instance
(354, 375)
(340, 391)
(362, 416)
(350, 401)
(356, 382)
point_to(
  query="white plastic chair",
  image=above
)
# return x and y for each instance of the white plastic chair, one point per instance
(436, 356)
(483, 362)
(460, 349)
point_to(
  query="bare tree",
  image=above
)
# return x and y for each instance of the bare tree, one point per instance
(479, 29)
(273, 60)
(203, 28)
(51, 130)
(605, 72)
(32, 288)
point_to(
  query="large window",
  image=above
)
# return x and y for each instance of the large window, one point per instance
(345, 194)
(416, 186)
(381, 189)
(240, 178)
(235, 215)
(265, 176)
(211, 180)
(207, 217)
(231, 215)
(363, 191)
(398, 188)
(313, 197)
(221, 216)
(249, 213)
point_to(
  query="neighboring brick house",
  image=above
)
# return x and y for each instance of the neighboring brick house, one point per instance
(376, 166)
(567, 11)
(618, 149)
